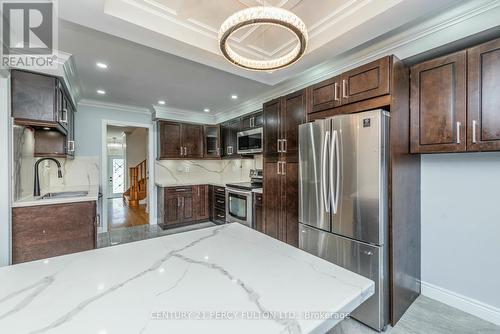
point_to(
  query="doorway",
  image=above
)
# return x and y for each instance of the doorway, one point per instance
(126, 202)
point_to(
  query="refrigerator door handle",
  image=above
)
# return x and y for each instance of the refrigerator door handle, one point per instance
(334, 189)
(324, 184)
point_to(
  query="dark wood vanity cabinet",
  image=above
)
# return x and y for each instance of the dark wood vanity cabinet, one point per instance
(280, 201)
(282, 118)
(44, 231)
(180, 140)
(454, 101)
(438, 104)
(483, 95)
(42, 102)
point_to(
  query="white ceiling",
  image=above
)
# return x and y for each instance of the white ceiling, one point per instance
(167, 49)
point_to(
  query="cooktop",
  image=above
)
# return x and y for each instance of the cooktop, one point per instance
(245, 185)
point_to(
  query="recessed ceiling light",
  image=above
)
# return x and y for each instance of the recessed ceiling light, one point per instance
(101, 92)
(102, 65)
(161, 102)
(206, 110)
(234, 97)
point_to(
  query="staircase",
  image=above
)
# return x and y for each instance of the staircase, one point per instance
(138, 185)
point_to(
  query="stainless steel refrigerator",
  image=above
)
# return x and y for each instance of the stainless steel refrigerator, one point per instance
(343, 201)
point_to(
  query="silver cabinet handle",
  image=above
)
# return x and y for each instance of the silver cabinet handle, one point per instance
(474, 131)
(182, 152)
(278, 168)
(284, 145)
(335, 92)
(324, 184)
(65, 116)
(344, 89)
(71, 146)
(283, 168)
(458, 132)
(279, 145)
(178, 201)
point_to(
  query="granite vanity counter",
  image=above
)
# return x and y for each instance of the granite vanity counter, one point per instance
(215, 280)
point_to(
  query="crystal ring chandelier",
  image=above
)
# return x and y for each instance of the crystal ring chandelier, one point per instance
(263, 15)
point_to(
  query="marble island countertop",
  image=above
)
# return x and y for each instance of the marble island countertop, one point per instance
(224, 279)
(93, 195)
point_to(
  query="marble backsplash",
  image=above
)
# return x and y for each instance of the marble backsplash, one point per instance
(172, 172)
(81, 171)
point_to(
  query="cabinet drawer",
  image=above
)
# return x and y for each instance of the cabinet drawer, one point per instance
(220, 215)
(179, 190)
(220, 202)
(220, 190)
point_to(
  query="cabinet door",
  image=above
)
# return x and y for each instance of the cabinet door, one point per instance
(438, 105)
(272, 112)
(367, 81)
(34, 97)
(230, 131)
(251, 121)
(272, 199)
(258, 213)
(192, 140)
(170, 140)
(212, 141)
(483, 128)
(290, 204)
(326, 95)
(201, 202)
(187, 212)
(172, 208)
(293, 114)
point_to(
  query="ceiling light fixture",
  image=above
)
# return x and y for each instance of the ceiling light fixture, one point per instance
(234, 97)
(206, 110)
(102, 65)
(101, 92)
(263, 15)
(161, 102)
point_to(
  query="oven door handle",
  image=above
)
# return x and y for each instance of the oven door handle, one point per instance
(239, 192)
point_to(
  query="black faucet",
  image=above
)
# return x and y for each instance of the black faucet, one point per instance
(36, 191)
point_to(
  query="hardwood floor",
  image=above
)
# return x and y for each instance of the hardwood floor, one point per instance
(120, 215)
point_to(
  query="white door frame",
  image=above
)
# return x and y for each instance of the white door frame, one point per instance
(151, 170)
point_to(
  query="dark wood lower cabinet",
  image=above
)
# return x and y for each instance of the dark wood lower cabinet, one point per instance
(44, 231)
(280, 201)
(218, 204)
(201, 202)
(186, 205)
(258, 212)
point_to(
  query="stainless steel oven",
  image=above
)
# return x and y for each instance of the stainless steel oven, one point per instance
(239, 206)
(250, 142)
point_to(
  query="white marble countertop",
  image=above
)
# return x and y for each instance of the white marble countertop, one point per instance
(93, 195)
(227, 272)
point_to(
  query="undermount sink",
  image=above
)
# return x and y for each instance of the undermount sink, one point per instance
(65, 194)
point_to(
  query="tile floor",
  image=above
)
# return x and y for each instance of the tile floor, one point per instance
(130, 234)
(426, 316)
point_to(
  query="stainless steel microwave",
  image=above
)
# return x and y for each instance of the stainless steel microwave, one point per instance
(250, 142)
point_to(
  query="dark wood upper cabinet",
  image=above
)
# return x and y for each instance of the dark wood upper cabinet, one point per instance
(438, 105)
(230, 131)
(180, 140)
(282, 118)
(41, 102)
(212, 141)
(170, 139)
(252, 121)
(326, 95)
(366, 81)
(272, 133)
(192, 140)
(483, 127)
(293, 113)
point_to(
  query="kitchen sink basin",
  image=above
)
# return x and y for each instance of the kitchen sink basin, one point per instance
(65, 194)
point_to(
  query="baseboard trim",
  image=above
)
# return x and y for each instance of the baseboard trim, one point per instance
(461, 302)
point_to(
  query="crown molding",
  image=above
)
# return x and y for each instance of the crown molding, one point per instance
(173, 114)
(454, 24)
(113, 106)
